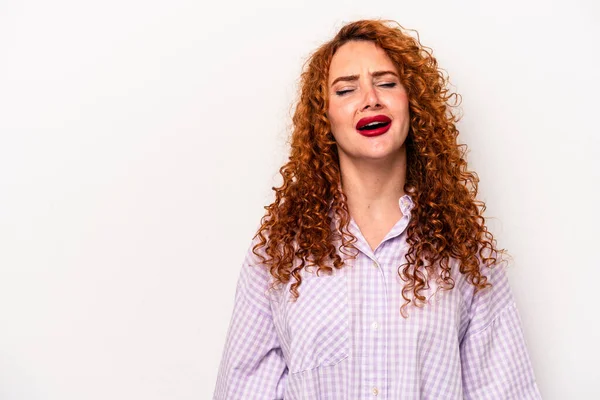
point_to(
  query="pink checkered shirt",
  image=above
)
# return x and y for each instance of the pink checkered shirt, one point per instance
(344, 338)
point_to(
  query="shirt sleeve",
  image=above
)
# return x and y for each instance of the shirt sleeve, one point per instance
(252, 364)
(494, 357)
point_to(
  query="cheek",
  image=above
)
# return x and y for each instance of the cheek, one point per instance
(402, 103)
(340, 116)
(334, 118)
(336, 125)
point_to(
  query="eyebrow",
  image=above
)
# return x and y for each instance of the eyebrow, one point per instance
(351, 78)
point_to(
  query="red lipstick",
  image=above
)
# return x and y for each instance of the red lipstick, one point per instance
(373, 126)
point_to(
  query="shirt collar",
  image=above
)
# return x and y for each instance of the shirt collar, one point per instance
(406, 204)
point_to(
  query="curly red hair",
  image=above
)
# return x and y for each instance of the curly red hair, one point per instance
(446, 221)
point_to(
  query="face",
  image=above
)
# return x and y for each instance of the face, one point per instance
(364, 88)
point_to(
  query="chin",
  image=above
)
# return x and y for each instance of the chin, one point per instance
(379, 155)
(386, 153)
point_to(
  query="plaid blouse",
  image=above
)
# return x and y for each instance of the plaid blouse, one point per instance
(344, 338)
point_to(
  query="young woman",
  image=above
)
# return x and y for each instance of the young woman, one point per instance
(373, 274)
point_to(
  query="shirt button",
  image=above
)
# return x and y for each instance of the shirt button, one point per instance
(375, 265)
(375, 391)
(374, 325)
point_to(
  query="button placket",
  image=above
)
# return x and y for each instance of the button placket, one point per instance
(377, 336)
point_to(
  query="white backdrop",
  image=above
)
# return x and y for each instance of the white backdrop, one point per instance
(139, 141)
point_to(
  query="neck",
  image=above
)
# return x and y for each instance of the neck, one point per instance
(373, 187)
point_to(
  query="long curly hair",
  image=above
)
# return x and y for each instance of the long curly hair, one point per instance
(446, 221)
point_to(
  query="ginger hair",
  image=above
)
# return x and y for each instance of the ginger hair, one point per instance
(447, 220)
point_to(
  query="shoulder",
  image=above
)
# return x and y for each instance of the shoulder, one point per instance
(485, 305)
(254, 277)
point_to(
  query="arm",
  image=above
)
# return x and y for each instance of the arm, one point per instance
(495, 362)
(252, 366)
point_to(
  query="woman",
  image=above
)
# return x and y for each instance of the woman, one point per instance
(373, 274)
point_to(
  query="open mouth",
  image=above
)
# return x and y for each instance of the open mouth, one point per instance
(373, 126)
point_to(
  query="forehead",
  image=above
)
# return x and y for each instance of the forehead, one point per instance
(358, 57)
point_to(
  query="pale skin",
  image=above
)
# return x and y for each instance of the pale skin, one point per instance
(364, 82)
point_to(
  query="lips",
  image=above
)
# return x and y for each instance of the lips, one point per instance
(373, 126)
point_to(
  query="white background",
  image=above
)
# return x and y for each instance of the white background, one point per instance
(139, 141)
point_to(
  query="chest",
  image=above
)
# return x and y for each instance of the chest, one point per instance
(357, 309)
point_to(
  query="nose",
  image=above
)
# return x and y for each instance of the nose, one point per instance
(371, 99)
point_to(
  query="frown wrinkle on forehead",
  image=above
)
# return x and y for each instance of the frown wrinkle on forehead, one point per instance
(350, 78)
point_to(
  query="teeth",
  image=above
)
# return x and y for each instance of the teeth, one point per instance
(373, 125)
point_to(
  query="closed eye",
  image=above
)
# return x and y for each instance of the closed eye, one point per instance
(343, 92)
